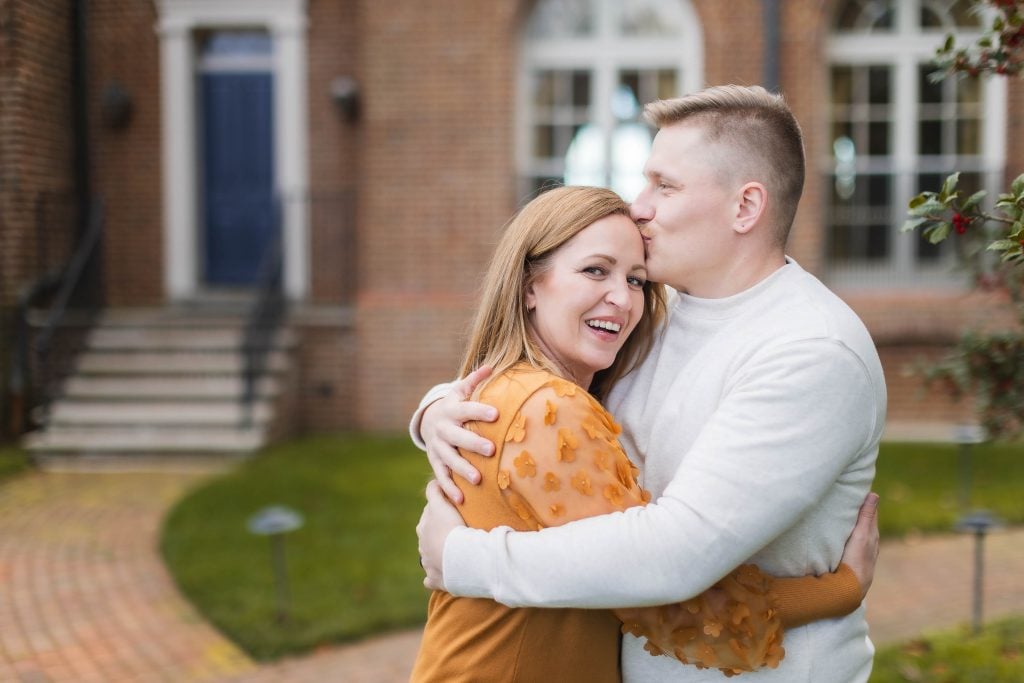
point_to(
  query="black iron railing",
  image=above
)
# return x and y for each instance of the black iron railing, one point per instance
(45, 344)
(263, 320)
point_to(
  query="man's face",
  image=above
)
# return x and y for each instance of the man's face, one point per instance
(685, 212)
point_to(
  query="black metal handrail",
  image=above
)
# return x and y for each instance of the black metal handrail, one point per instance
(73, 288)
(263, 318)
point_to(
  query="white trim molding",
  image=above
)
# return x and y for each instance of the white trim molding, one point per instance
(286, 22)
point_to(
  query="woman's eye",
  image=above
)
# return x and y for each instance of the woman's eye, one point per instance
(595, 270)
(635, 281)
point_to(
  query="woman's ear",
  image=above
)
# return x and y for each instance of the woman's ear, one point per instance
(751, 207)
(531, 298)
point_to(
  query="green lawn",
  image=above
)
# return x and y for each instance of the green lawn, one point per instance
(353, 566)
(920, 485)
(993, 656)
(13, 461)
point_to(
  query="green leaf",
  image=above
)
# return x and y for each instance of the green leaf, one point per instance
(949, 187)
(1017, 186)
(985, 42)
(919, 200)
(974, 200)
(912, 224)
(950, 41)
(1002, 245)
(938, 233)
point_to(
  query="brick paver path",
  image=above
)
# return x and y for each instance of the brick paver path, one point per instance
(84, 596)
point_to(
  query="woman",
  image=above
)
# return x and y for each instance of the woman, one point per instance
(566, 306)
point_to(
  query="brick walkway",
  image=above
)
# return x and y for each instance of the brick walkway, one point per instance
(85, 598)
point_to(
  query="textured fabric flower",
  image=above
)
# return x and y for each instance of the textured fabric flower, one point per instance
(552, 482)
(567, 443)
(592, 428)
(517, 430)
(563, 388)
(581, 482)
(504, 479)
(614, 493)
(550, 412)
(557, 509)
(601, 460)
(525, 466)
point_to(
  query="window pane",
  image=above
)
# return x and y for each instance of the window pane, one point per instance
(667, 84)
(842, 85)
(581, 89)
(930, 19)
(647, 18)
(878, 85)
(544, 141)
(561, 19)
(544, 89)
(929, 137)
(235, 43)
(864, 15)
(855, 243)
(968, 137)
(878, 138)
(965, 14)
(930, 91)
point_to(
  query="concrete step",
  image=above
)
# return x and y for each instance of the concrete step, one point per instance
(195, 388)
(178, 363)
(65, 414)
(137, 339)
(144, 441)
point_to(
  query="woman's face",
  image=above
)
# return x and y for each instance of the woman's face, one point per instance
(590, 298)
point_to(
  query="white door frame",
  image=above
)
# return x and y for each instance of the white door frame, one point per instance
(286, 22)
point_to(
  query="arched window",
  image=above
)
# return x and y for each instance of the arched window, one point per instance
(586, 69)
(895, 132)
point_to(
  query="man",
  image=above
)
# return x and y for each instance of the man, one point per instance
(755, 419)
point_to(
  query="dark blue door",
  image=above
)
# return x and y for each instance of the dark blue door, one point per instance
(238, 174)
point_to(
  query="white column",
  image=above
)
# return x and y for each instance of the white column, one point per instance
(291, 156)
(179, 163)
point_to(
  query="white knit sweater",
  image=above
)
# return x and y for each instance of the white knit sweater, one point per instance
(755, 422)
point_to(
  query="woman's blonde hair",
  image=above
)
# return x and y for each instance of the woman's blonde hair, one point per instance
(500, 334)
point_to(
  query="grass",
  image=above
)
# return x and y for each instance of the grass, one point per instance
(993, 656)
(353, 566)
(13, 461)
(920, 485)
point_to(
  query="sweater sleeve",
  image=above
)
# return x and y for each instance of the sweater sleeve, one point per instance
(435, 393)
(781, 436)
(561, 461)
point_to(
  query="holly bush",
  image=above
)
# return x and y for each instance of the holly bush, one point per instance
(990, 241)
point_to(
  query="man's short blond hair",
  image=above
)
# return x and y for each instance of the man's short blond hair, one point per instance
(760, 130)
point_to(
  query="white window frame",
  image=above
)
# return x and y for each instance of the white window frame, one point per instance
(603, 54)
(285, 21)
(904, 49)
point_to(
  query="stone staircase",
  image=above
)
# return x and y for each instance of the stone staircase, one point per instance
(163, 382)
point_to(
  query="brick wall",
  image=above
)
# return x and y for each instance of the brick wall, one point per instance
(124, 49)
(36, 145)
(36, 154)
(437, 184)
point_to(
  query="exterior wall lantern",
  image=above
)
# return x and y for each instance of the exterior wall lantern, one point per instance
(345, 94)
(116, 106)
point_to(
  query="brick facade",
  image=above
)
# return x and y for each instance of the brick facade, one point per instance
(407, 201)
(37, 192)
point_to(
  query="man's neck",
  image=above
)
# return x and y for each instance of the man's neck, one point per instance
(737, 276)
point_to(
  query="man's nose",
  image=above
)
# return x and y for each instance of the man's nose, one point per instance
(641, 210)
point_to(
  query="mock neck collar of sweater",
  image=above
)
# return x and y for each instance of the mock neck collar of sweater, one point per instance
(737, 304)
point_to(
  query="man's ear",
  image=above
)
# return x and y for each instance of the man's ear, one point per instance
(751, 206)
